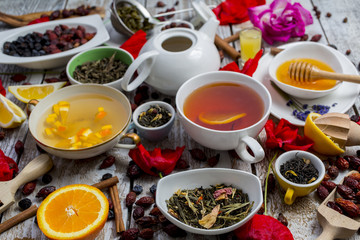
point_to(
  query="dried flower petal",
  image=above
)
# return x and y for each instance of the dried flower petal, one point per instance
(208, 220)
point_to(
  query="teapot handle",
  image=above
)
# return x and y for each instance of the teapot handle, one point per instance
(148, 59)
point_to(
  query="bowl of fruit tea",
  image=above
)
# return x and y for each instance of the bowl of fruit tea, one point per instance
(81, 121)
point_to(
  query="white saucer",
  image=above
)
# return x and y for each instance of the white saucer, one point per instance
(342, 99)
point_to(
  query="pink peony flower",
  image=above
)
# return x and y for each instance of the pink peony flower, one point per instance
(280, 20)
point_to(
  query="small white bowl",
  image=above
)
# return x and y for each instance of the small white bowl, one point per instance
(155, 133)
(97, 54)
(205, 177)
(91, 23)
(311, 50)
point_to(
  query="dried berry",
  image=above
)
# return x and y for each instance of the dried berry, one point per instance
(304, 37)
(352, 183)
(357, 196)
(198, 154)
(111, 214)
(282, 219)
(354, 162)
(346, 192)
(45, 191)
(18, 77)
(329, 185)
(25, 204)
(316, 38)
(138, 98)
(345, 20)
(137, 189)
(106, 176)
(182, 164)
(326, 177)
(145, 201)
(341, 163)
(130, 199)
(153, 189)
(146, 233)
(133, 107)
(52, 80)
(130, 234)
(348, 207)
(162, 219)
(2, 135)
(107, 162)
(160, 4)
(271, 183)
(19, 147)
(138, 212)
(46, 178)
(333, 172)
(133, 171)
(212, 161)
(322, 192)
(333, 205)
(174, 231)
(328, 14)
(28, 188)
(348, 52)
(155, 211)
(355, 176)
(146, 221)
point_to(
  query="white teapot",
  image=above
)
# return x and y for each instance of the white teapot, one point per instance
(173, 56)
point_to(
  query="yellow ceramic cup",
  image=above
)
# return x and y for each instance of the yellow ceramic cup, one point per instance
(294, 190)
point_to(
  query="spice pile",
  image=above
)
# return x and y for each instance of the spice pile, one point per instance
(132, 18)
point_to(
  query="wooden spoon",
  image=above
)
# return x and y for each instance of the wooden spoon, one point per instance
(334, 224)
(216, 119)
(23, 20)
(306, 72)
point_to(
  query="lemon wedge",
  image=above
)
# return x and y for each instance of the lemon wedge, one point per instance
(208, 119)
(322, 143)
(27, 92)
(11, 115)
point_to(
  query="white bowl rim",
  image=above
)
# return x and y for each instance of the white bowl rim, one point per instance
(73, 80)
(293, 153)
(265, 114)
(93, 21)
(209, 171)
(145, 106)
(293, 88)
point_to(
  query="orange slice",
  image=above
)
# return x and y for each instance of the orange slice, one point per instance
(76, 211)
(213, 120)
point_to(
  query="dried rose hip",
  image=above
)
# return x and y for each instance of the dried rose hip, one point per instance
(174, 231)
(107, 162)
(212, 161)
(146, 221)
(354, 162)
(130, 199)
(182, 164)
(160, 4)
(329, 185)
(322, 192)
(333, 205)
(341, 163)
(138, 212)
(134, 171)
(155, 211)
(345, 20)
(348, 207)
(28, 188)
(198, 154)
(145, 201)
(19, 147)
(346, 192)
(352, 183)
(146, 233)
(130, 234)
(18, 77)
(316, 38)
(282, 219)
(348, 52)
(305, 37)
(355, 176)
(333, 172)
(45, 191)
(326, 177)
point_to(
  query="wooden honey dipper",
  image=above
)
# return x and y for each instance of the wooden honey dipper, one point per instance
(306, 72)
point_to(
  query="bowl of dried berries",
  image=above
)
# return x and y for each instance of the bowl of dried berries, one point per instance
(153, 120)
(209, 201)
(101, 65)
(51, 44)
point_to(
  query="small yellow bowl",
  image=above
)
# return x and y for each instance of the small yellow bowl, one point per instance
(294, 190)
(322, 143)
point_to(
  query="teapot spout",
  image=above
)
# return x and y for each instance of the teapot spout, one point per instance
(210, 27)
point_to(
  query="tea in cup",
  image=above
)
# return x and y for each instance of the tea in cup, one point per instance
(81, 121)
(225, 110)
(294, 190)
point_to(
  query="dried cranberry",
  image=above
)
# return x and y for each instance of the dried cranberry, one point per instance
(45, 191)
(138, 98)
(198, 154)
(18, 77)
(19, 147)
(138, 212)
(107, 162)
(25, 204)
(29, 187)
(212, 161)
(133, 107)
(145, 201)
(130, 199)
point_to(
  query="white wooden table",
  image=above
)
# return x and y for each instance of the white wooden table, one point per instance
(301, 216)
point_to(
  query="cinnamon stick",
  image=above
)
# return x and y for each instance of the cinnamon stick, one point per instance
(28, 213)
(220, 43)
(232, 38)
(106, 183)
(119, 223)
(274, 50)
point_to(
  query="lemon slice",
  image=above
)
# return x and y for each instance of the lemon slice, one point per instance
(27, 92)
(11, 115)
(322, 143)
(208, 119)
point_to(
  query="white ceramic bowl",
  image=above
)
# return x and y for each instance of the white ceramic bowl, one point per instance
(97, 54)
(305, 50)
(91, 23)
(191, 179)
(155, 133)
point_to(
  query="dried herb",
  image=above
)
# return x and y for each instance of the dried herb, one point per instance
(299, 170)
(132, 18)
(155, 116)
(101, 71)
(216, 207)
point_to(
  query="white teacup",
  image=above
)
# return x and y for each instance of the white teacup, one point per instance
(226, 140)
(71, 91)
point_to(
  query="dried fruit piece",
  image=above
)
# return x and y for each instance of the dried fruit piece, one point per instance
(153, 189)
(355, 176)
(352, 183)
(174, 231)
(155, 212)
(133, 171)
(346, 192)
(130, 199)
(326, 177)
(46, 178)
(146, 233)
(18, 77)
(348, 52)
(45, 191)
(348, 207)
(198, 154)
(333, 172)
(322, 192)
(106, 176)
(107, 162)
(282, 219)
(145, 201)
(182, 164)
(354, 162)
(138, 212)
(130, 234)
(316, 37)
(146, 221)
(25, 204)
(345, 20)
(271, 183)
(212, 161)
(333, 205)
(341, 163)
(329, 185)
(19, 147)
(137, 189)
(29, 187)
(2, 135)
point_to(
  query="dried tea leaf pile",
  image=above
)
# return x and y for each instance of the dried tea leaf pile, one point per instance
(102, 71)
(216, 207)
(299, 170)
(132, 18)
(155, 116)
